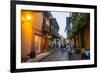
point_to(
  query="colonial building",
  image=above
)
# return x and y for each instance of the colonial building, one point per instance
(54, 32)
(37, 32)
(80, 32)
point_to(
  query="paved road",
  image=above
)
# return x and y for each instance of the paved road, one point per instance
(58, 55)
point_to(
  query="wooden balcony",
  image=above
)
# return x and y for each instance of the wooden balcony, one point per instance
(45, 29)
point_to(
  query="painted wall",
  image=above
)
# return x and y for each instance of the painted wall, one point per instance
(87, 38)
(38, 20)
(30, 20)
(26, 32)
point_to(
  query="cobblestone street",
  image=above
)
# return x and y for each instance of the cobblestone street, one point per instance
(59, 55)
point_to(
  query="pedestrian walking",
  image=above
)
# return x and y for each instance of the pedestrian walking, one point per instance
(69, 52)
(83, 56)
(62, 48)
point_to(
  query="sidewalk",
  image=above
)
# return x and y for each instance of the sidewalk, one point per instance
(76, 56)
(41, 56)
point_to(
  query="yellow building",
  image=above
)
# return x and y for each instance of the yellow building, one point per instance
(79, 31)
(82, 39)
(35, 36)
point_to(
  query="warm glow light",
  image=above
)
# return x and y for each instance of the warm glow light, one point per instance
(27, 16)
(36, 38)
(49, 36)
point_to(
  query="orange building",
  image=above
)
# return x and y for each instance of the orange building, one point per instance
(82, 36)
(78, 31)
(35, 32)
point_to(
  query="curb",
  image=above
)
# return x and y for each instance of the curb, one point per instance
(47, 55)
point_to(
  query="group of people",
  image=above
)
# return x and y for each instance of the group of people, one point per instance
(66, 47)
(71, 51)
(63, 47)
(85, 54)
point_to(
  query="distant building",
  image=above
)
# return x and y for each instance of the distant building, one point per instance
(68, 28)
(69, 24)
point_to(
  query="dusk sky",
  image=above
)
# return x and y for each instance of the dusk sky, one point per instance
(61, 19)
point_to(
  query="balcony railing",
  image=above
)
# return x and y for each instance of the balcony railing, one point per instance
(46, 28)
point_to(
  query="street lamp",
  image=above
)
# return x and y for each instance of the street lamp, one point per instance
(27, 17)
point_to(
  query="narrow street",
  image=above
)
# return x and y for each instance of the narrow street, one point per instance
(58, 55)
(45, 39)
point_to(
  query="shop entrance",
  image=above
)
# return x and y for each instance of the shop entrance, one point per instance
(37, 44)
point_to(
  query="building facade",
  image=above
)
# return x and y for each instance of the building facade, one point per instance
(80, 32)
(68, 29)
(36, 33)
